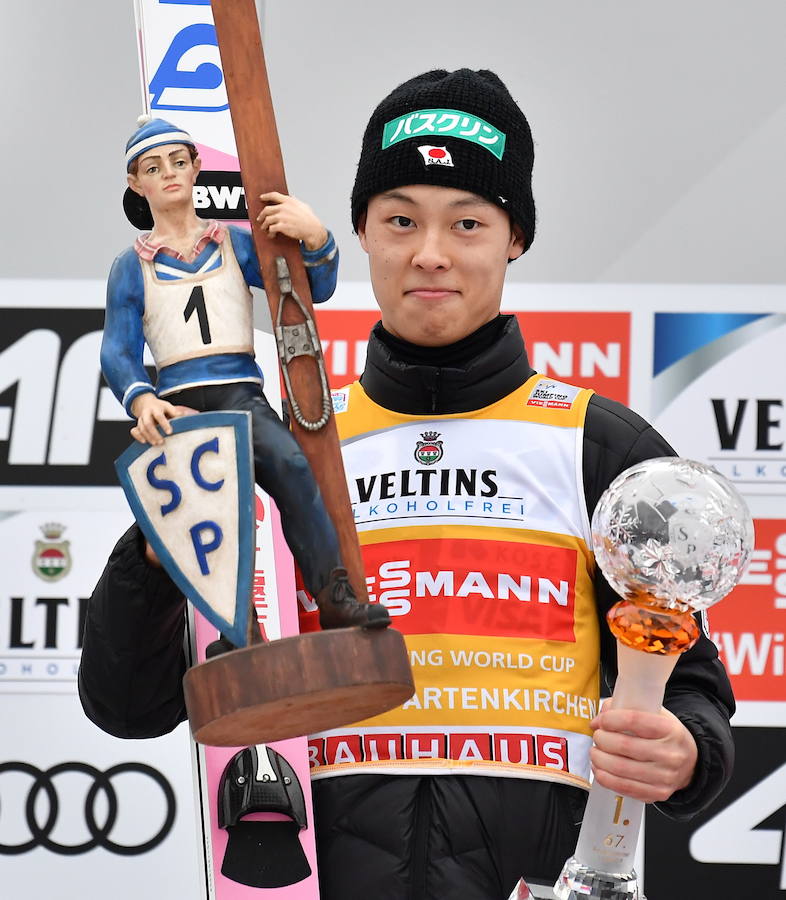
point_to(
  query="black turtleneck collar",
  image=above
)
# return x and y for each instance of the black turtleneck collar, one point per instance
(474, 372)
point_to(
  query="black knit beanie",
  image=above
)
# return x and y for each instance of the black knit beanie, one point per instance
(457, 129)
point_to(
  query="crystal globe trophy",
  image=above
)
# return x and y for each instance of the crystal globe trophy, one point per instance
(672, 537)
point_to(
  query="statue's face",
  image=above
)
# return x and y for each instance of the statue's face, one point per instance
(437, 258)
(165, 176)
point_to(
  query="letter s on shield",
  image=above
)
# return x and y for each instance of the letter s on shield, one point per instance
(205, 540)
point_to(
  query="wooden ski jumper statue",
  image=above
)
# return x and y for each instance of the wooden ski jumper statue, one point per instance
(183, 290)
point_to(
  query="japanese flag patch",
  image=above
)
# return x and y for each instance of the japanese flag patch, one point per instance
(435, 156)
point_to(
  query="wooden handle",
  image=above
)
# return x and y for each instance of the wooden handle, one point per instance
(262, 170)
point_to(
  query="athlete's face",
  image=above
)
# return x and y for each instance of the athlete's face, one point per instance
(437, 258)
(165, 177)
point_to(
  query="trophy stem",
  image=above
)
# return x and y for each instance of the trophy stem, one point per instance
(641, 678)
(602, 866)
(608, 842)
(672, 537)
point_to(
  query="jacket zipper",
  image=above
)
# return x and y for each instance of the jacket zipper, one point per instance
(420, 840)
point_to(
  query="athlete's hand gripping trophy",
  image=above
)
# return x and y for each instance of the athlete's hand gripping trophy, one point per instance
(672, 537)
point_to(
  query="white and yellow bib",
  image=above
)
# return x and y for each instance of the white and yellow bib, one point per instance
(475, 535)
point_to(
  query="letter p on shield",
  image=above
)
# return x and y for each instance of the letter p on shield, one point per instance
(202, 549)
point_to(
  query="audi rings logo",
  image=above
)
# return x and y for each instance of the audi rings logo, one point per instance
(41, 805)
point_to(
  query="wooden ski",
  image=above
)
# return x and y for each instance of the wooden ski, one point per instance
(262, 169)
(160, 28)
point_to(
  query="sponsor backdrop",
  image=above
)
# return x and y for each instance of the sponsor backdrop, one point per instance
(705, 364)
(78, 808)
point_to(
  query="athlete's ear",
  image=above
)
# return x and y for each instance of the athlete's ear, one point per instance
(516, 246)
(197, 163)
(362, 231)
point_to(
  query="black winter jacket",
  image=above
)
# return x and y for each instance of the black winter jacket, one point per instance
(397, 837)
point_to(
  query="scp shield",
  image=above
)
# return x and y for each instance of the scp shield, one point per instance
(193, 498)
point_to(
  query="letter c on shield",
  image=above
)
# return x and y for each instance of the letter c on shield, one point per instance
(196, 458)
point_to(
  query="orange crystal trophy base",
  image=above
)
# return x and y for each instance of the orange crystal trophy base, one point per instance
(651, 628)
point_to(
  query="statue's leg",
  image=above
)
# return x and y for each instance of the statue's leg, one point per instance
(282, 470)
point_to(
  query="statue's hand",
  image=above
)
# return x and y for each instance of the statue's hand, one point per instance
(287, 215)
(151, 412)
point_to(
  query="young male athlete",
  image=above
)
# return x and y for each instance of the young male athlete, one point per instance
(183, 289)
(474, 479)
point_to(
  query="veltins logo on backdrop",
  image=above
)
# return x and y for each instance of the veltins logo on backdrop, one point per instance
(52, 558)
(32, 800)
(724, 374)
(41, 629)
(40, 643)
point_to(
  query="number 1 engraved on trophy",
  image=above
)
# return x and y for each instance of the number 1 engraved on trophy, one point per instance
(615, 840)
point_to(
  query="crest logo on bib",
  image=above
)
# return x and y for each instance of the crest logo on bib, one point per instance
(429, 450)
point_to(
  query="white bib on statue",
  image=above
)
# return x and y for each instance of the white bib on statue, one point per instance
(203, 314)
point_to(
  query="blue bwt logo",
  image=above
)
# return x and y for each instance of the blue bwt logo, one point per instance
(186, 79)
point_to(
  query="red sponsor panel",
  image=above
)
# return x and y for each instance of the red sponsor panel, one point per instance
(343, 748)
(469, 747)
(584, 348)
(344, 336)
(528, 749)
(549, 404)
(316, 752)
(749, 626)
(382, 746)
(590, 349)
(424, 746)
(454, 586)
(552, 751)
(515, 748)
